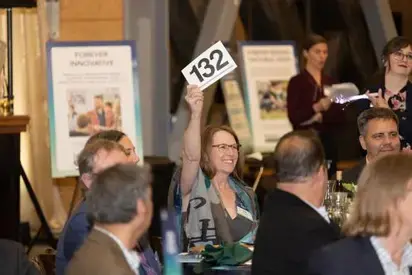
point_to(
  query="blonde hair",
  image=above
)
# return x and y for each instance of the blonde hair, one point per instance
(381, 185)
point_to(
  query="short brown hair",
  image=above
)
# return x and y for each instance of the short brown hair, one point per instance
(381, 185)
(395, 44)
(297, 155)
(207, 138)
(86, 158)
(375, 113)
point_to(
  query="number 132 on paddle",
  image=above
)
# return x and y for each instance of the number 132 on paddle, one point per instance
(209, 66)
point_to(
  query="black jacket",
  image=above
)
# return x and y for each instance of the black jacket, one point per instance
(352, 174)
(13, 259)
(354, 256)
(289, 231)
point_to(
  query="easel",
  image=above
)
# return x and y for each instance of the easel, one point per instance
(9, 5)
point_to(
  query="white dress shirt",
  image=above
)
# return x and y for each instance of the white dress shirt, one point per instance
(389, 267)
(321, 210)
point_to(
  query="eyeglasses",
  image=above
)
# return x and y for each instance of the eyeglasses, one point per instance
(400, 56)
(222, 148)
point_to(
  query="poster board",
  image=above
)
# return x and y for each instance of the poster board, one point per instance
(92, 86)
(266, 69)
(235, 107)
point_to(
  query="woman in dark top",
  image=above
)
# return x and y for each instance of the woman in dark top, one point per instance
(308, 106)
(393, 87)
(211, 201)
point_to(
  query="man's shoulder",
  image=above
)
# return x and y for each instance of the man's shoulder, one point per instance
(76, 227)
(278, 197)
(297, 78)
(285, 208)
(347, 248)
(78, 219)
(352, 174)
(95, 257)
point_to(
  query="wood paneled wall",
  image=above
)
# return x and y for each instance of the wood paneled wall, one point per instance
(82, 20)
(91, 20)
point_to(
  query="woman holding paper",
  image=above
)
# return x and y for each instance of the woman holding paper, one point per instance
(307, 104)
(393, 88)
(213, 203)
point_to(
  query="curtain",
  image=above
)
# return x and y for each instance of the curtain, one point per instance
(30, 91)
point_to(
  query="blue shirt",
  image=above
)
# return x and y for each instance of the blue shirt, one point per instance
(75, 232)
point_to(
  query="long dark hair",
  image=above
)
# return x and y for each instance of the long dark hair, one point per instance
(112, 135)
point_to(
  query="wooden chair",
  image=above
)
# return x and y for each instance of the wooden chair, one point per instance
(45, 262)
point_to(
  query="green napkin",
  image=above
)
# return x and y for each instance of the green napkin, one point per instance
(228, 254)
(224, 255)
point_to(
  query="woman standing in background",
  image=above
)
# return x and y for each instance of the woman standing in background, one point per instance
(308, 106)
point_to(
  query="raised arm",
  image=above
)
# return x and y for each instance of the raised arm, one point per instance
(191, 140)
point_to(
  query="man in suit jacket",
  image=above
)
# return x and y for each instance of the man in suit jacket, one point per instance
(120, 206)
(379, 135)
(13, 259)
(351, 175)
(294, 222)
(96, 156)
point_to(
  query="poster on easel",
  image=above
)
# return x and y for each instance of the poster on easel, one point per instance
(266, 69)
(92, 86)
(235, 109)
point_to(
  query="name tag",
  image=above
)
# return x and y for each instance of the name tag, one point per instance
(244, 213)
(209, 66)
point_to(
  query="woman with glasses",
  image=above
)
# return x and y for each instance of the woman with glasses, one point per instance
(393, 89)
(214, 204)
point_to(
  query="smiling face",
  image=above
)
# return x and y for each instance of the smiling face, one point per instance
(381, 138)
(400, 62)
(224, 152)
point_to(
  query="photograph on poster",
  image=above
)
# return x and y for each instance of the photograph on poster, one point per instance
(91, 112)
(272, 98)
(266, 70)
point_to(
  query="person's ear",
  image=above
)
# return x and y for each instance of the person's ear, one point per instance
(362, 142)
(321, 175)
(305, 54)
(87, 179)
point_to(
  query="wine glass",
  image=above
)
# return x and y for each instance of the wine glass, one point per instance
(338, 207)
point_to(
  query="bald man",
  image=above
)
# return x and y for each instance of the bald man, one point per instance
(294, 222)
